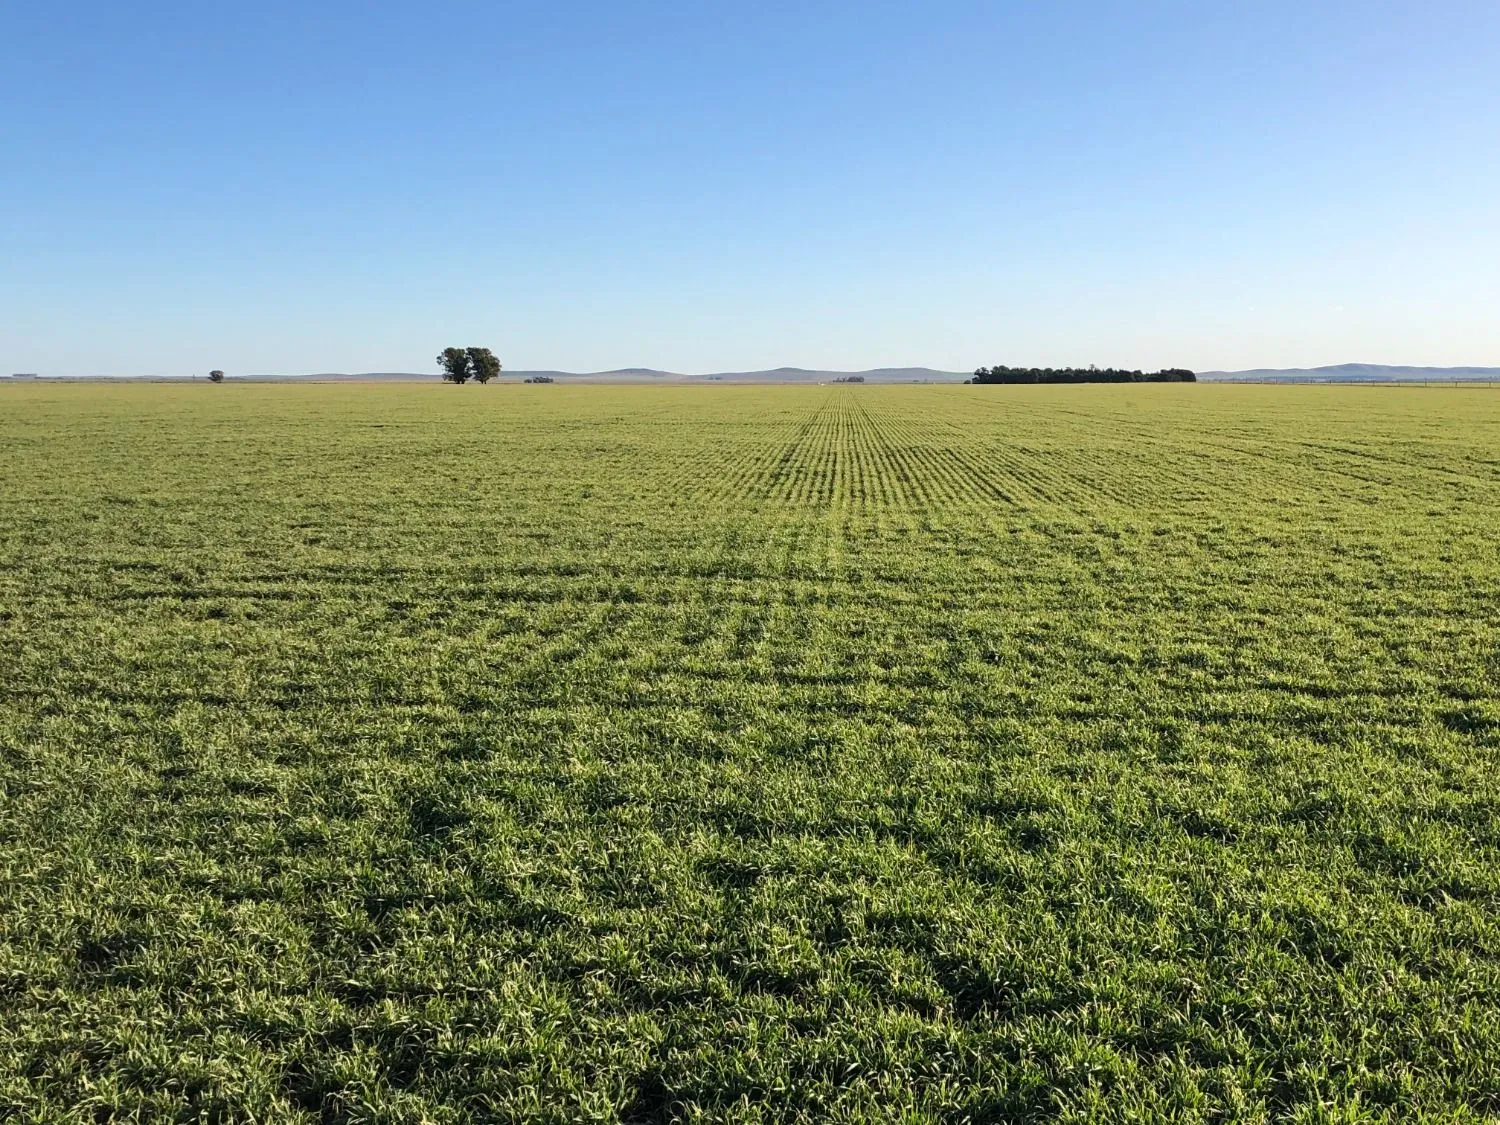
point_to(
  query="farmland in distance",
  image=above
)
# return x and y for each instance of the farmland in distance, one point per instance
(426, 753)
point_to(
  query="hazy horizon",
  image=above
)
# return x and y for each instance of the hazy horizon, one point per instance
(1352, 371)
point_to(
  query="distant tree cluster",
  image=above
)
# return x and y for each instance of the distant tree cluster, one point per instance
(1090, 374)
(850, 379)
(216, 376)
(538, 379)
(459, 365)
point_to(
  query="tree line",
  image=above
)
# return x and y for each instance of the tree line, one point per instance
(1089, 374)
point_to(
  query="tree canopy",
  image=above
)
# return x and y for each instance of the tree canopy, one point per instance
(483, 366)
(454, 363)
(459, 365)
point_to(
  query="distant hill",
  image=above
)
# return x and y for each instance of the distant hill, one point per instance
(1337, 373)
(652, 375)
(624, 374)
(618, 375)
(805, 375)
(1353, 373)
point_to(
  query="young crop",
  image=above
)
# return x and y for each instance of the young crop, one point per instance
(1088, 753)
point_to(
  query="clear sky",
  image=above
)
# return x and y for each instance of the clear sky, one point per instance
(336, 186)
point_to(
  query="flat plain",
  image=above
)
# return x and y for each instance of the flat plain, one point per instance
(428, 753)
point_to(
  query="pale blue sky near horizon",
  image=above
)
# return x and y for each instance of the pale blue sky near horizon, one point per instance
(301, 187)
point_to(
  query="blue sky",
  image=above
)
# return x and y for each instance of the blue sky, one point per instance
(298, 187)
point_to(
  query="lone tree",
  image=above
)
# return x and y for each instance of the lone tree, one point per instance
(483, 366)
(455, 365)
(216, 376)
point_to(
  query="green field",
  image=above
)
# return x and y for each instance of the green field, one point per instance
(429, 753)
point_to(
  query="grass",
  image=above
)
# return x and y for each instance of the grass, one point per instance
(448, 754)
